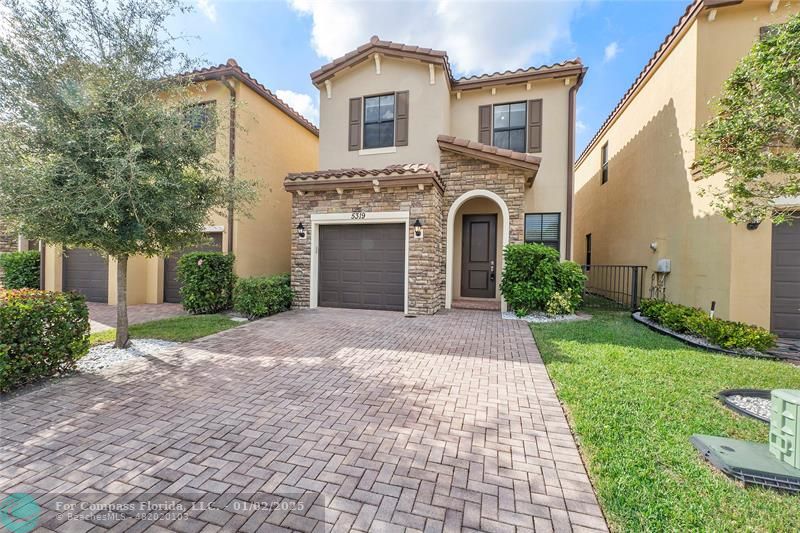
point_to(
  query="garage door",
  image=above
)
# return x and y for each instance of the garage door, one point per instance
(172, 287)
(86, 272)
(786, 279)
(362, 266)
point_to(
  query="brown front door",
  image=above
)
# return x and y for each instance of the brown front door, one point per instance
(478, 256)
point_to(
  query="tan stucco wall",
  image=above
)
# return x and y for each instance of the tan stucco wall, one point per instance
(269, 145)
(428, 112)
(651, 195)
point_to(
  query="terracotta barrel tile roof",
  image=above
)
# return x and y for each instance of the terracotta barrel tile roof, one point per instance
(408, 174)
(232, 69)
(490, 153)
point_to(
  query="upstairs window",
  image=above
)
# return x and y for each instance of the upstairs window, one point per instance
(604, 162)
(509, 124)
(202, 116)
(379, 121)
(543, 228)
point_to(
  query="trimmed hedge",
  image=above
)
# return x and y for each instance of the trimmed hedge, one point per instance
(694, 321)
(264, 296)
(207, 280)
(534, 279)
(20, 270)
(42, 334)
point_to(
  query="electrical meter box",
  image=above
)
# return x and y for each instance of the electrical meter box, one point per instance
(663, 266)
(784, 430)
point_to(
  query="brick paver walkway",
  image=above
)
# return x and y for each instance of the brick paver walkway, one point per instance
(309, 420)
(104, 316)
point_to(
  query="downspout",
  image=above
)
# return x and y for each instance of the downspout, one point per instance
(571, 160)
(231, 154)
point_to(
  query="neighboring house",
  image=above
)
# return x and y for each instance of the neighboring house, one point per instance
(260, 138)
(8, 241)
(637, 200)
(425, 178)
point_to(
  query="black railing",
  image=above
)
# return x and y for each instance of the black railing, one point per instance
(614, 286)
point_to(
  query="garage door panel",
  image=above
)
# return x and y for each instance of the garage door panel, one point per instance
(362, 266)
(86, 272)
(785, 319)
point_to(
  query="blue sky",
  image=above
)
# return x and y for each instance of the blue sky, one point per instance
(281, 42)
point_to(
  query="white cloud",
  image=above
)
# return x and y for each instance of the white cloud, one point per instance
(302, 103)
(478, 36)
(208, 9)
(580, 125)
(611, 51)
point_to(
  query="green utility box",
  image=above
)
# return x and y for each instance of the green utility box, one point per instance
(784, 430)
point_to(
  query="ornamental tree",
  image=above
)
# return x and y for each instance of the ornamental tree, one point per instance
(100, 146)
(755, 134)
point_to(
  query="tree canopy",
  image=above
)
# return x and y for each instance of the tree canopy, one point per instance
(754, 136)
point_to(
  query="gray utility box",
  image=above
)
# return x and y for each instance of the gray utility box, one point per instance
(784, 429)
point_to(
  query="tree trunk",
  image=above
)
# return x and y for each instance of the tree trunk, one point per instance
(122, 340)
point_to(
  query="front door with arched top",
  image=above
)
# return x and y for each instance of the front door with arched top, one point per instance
(478, 256)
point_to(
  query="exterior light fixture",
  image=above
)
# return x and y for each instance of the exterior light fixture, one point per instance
(301, 231)
(753, 225)
(417, 229)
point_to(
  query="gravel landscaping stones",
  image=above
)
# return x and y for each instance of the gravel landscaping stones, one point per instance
(105, 355)
(542, 318)
(761, 407)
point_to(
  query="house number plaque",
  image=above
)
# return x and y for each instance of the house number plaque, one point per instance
(358, 214)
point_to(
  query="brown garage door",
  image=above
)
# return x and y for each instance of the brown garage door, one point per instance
(86, 272)
(786, 279)
(362, 266)
(172, 288)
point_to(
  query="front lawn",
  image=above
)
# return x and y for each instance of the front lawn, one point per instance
(177, 329)
(633, 398)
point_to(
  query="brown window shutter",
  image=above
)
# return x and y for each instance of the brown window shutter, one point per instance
(485, 124)
(354, 130)
(535, 126)
(401, 118)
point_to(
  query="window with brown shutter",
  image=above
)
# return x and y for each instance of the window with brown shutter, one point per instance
(485, 124)
(354, 128)
(401, 118)
(535, 126)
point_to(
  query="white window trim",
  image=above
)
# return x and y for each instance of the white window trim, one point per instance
(323, 219)
(378, 151)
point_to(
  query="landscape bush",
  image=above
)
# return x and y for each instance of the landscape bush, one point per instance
(42, 334)
(534, 279)
(694, 321)
(207, 280)
(262, 296)
(20, 270)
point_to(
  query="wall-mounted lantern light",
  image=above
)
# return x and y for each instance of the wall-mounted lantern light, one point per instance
(417, 229)
(301, 231)
(753, 225)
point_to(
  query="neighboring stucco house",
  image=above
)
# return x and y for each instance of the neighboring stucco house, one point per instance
(426, 177)
(261, 139)
(636, 198)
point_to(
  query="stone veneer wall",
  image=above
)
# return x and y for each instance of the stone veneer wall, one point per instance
(425, 264)
(8, 242)
(461, 174)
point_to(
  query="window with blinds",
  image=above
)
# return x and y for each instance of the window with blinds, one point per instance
(543, 228)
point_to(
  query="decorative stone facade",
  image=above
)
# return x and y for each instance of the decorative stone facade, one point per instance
(8, 242)
(459, 174)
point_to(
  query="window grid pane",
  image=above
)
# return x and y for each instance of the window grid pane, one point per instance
(509, 126)
(379, 121)
(543, 228)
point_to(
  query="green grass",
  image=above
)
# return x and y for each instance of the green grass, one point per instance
(634, 398)
(177, 329)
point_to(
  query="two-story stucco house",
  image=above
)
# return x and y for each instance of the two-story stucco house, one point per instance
(259, 139)
(638, 202)
(425, 178)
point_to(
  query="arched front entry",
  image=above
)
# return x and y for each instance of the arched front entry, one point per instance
(451, 232)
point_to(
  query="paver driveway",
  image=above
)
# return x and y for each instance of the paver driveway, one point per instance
(353, 420)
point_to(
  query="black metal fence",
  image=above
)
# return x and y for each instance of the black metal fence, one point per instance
(614, 286)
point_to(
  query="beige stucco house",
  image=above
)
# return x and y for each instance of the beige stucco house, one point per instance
(260, 138)
(425, 177)
(637, 201)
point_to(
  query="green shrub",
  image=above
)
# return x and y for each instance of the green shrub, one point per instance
(694, 321)
(532, 274)
(42, 334)
(264, 296)
(20, 270)
(206, 281)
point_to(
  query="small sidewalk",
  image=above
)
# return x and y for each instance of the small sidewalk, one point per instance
(103, 316)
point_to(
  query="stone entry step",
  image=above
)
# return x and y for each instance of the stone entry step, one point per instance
(479, 304)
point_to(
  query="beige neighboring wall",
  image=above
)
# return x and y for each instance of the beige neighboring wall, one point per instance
(549, 191)
(428, 113)
(651, 195)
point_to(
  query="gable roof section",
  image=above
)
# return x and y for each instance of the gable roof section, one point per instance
(666, 46)
(364, 52)
(231, 69)
(491, 154)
